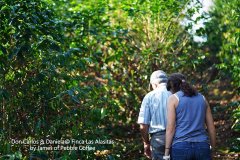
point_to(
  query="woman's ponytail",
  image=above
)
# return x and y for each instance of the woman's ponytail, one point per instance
(177, 82)
(187, 89)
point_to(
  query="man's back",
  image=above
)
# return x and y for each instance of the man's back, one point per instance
(153, 109)
(152, 116)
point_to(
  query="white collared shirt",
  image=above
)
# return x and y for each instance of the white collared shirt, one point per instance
(153, 110)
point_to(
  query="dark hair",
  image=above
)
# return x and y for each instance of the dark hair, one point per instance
(177, 82)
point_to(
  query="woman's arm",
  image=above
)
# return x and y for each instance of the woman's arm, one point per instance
(171, 121)
(210, 126)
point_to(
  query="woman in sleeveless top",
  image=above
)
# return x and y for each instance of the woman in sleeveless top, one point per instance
(190, 132)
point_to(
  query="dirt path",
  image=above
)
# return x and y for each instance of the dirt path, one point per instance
(223, 100)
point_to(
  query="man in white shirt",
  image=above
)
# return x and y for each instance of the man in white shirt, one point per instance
(152, 116)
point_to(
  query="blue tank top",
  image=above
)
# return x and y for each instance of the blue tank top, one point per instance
(190, 119)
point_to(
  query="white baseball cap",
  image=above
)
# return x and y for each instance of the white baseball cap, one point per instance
(158, 77)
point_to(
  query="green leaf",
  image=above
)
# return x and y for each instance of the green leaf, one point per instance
(103, 112)
(5, 7)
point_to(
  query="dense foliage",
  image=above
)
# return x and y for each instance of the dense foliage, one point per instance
(79, 69)
(223, 32)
